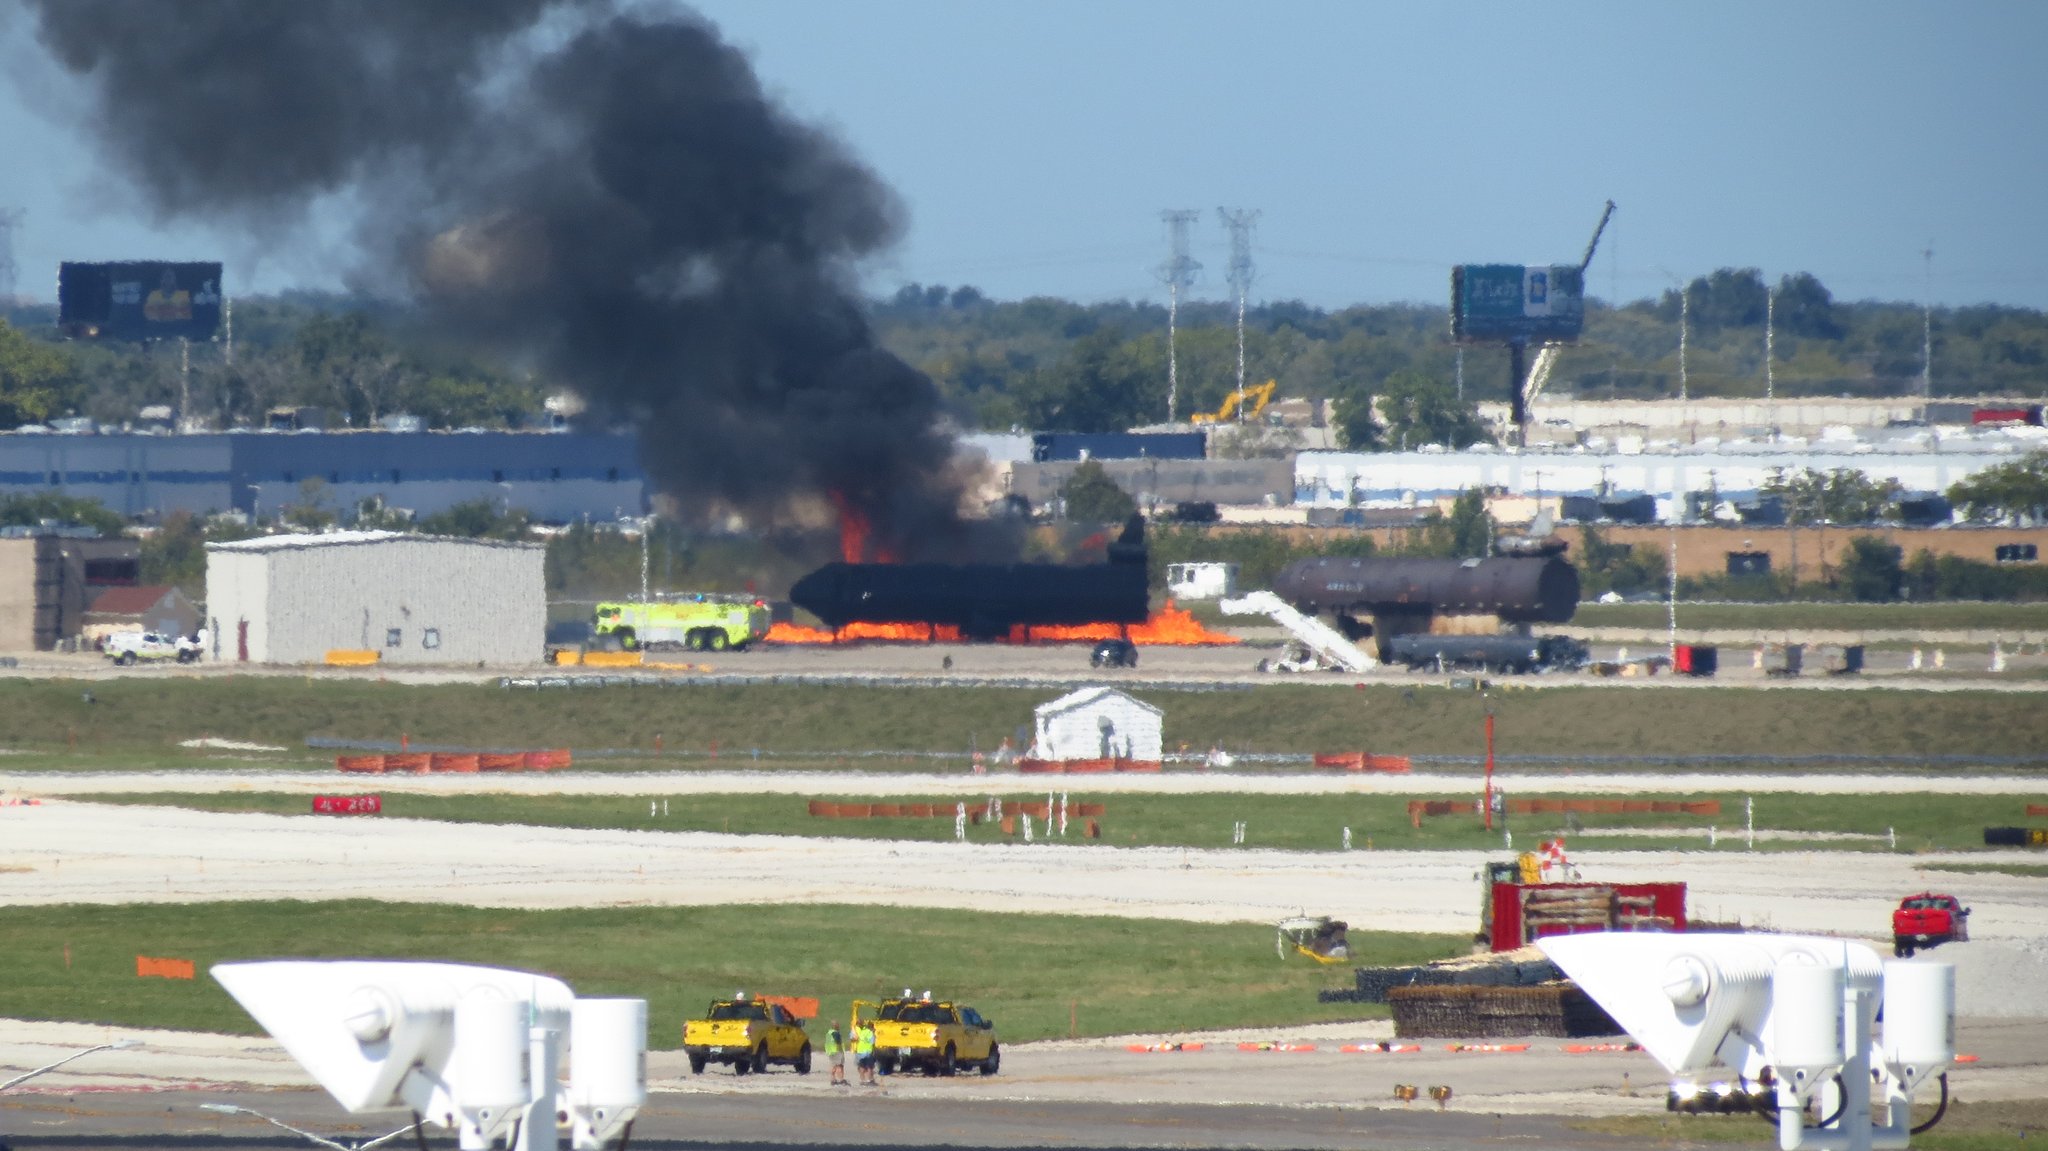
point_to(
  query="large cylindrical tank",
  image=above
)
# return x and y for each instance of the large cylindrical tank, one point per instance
(980, 599)
(1517, 589)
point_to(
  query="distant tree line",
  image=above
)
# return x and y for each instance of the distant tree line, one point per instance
(1046, 364)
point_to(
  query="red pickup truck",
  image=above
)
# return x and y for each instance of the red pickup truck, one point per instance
(1926, 919)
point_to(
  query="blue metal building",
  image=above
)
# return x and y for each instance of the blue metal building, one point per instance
(556, 477)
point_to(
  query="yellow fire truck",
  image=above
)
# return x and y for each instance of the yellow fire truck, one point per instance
(693, 621)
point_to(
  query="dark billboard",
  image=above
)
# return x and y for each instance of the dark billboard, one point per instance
(1511, 303)
(139, 300)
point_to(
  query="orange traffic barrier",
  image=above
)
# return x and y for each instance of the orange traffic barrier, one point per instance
(803, 1007)
(820, 808)
(1363, 761)
(1276, 1047)
(373, 764)
(501, 761)
(884, 811)
(413, 761)
(2037, 809)
(146, 967)
(454, 761)
(547, 760)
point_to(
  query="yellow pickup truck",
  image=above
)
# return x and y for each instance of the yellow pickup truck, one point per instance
(939, 1038)
(747, 1034)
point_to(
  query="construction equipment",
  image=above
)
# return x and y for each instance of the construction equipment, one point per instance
(1322, 646)
(1245, 405)
(1319, 937)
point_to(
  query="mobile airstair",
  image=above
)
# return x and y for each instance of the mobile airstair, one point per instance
(1325, 644)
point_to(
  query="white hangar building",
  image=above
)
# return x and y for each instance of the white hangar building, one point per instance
(1098, 723)
(413, 599)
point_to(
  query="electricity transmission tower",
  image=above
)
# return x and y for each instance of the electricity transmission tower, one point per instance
(10, 219)
(1179, 273)
(1240, 221)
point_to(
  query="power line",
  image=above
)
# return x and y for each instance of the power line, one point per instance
(1179, 273)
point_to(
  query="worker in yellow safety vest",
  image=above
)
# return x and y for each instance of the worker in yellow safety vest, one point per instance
(835, 1056)
(864, 1053)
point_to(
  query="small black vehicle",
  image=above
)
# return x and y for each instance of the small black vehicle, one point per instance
(1114, 653)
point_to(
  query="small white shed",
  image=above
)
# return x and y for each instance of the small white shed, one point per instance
(1098, 723)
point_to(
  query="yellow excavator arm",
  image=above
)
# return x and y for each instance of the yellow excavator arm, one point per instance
(1253, 399)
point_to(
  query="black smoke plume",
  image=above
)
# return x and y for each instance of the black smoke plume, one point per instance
(603, 192)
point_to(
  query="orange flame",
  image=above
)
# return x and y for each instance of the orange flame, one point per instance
(856, 532)
(1169, 627)
(853, 530)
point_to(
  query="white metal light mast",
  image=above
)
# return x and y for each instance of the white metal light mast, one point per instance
(1179, 273)
(1240, 221)
(10, 219)
(1927, 329)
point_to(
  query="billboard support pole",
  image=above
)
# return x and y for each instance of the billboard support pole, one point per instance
(1518, 403)
(184, 383)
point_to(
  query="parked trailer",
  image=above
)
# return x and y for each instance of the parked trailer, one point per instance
(1513, 653)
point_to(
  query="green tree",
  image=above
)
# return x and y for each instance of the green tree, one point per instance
(2007, 492)
(1092, 497)
(1605, 566)
(1871, 569)
(36, 380)
(1358, 427)
(477, 519)
(58, 508)
(1102, 385)
(1466, 532)
(1805, 308)
(1842, 496)
(1421, 409)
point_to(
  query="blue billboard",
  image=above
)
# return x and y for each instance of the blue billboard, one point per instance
(139, 300)
(1516, 303)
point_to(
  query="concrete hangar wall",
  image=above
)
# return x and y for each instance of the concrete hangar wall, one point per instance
(413, 599)
(556, 476)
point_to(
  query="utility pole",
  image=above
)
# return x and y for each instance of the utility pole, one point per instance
(1179, 273)
(1927, 329)
(10, 219)
(1684, 326)
(1240, 221)
(1770, 358)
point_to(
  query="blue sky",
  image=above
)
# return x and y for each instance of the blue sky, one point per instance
(1035, 144)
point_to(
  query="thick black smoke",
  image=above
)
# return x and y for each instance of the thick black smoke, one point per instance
(607, 194)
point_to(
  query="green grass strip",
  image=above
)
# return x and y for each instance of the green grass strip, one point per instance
(1035, 975)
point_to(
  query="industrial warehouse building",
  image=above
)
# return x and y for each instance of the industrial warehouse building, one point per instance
(412, 599)
(557, 477)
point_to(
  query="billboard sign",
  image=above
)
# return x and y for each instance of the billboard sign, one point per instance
(139, 300)
(1511, 303)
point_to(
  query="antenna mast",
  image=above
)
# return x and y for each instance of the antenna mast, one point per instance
(1240, 221)
(1179, 273)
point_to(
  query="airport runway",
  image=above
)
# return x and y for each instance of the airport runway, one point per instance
(1076, 1094)
(821, 1124)
(1966, 667)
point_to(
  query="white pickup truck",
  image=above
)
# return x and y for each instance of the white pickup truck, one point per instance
(132, 647)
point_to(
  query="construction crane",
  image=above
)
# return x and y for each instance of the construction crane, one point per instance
(1245, 404)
